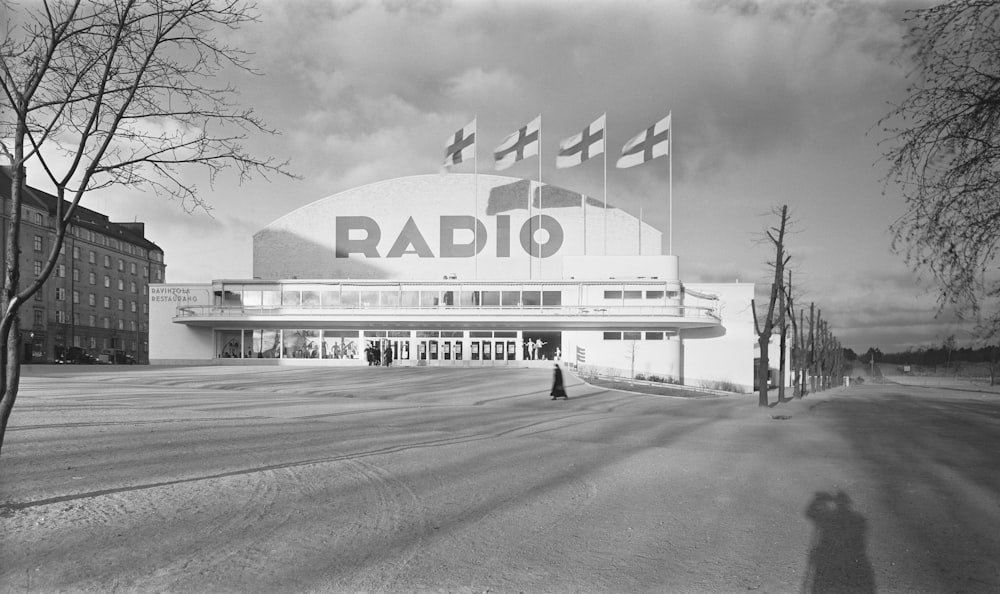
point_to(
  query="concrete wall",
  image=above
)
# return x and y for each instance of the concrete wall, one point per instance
(174, 343)
(724, 354)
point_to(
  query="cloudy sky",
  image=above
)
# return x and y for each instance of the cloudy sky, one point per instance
(773, 103)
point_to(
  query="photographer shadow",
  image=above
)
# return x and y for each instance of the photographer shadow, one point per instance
(838, 561)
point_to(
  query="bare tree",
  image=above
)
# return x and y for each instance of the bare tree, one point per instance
(114, 93)
(943, 149)
(765, 328)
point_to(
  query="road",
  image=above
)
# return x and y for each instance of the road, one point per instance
(283, 479)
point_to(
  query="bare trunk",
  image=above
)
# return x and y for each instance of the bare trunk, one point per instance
(783, 330)
(11, 377)
(10, 331)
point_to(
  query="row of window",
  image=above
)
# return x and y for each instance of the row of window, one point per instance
(92, 300)
(106, 322)
(392, 297)
(638, 294)
(60, 272)
(38, 244)
(633, 335)
(92, 342)
(129, 248)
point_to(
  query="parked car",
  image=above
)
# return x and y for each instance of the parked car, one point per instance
(79, 356)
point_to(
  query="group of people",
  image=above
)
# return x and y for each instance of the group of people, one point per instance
(533, 349)
(378, 356)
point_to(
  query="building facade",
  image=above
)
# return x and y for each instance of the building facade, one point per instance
(462, 270)
(96, 301)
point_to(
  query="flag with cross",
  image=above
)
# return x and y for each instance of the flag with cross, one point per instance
(519, 145)
(578, 148)
(461, 146)
(649, 144)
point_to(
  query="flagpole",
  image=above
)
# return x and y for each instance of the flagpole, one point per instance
(539, 189)
(670, 152)
(475, 215)
(606, 146)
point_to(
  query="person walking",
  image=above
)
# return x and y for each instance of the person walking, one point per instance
(558, 388)
(387, 357)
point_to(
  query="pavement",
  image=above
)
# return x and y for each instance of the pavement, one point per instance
(222, 479)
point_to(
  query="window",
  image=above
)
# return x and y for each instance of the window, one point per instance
(76, 322)
(612, 294)
(76, 252)
(61, 270)
(39, 219)
(145, 271)
(38, 268)
(39, 317)
(107, 322)
(91, 300)
(60, 294)
(107, 282)
(131, 287)
(654, 336)
(121, 284)
(159, 275)
(132, 306)
(631, 335)
(121, 265)
(633, 294)
(92, 257)
(107, 261)
(612, 336)
(121, 305)
(92, 342)
(92, 278)
(76, 275)
(654, 294)
(38, 243)
(107, 302)
(60, 316)
(76, 296)
(121, 324)
(131, 267)
(92, 321)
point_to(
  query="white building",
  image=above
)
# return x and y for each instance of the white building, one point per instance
(462, 270)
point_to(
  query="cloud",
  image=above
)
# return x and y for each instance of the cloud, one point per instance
(773, 103)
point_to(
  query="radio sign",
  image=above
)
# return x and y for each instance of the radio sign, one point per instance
(362, 235)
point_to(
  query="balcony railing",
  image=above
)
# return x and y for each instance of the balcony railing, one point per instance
(609, 311)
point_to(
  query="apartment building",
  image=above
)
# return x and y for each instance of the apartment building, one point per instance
(97, 297)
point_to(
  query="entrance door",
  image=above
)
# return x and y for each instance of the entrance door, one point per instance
(487, 350)
(432, 347)
(422, 350)
(500, 351)
(458, 350)
(446, 350)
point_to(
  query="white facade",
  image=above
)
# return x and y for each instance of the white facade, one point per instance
(463, 270)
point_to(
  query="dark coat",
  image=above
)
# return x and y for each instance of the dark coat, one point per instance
(558, 389)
